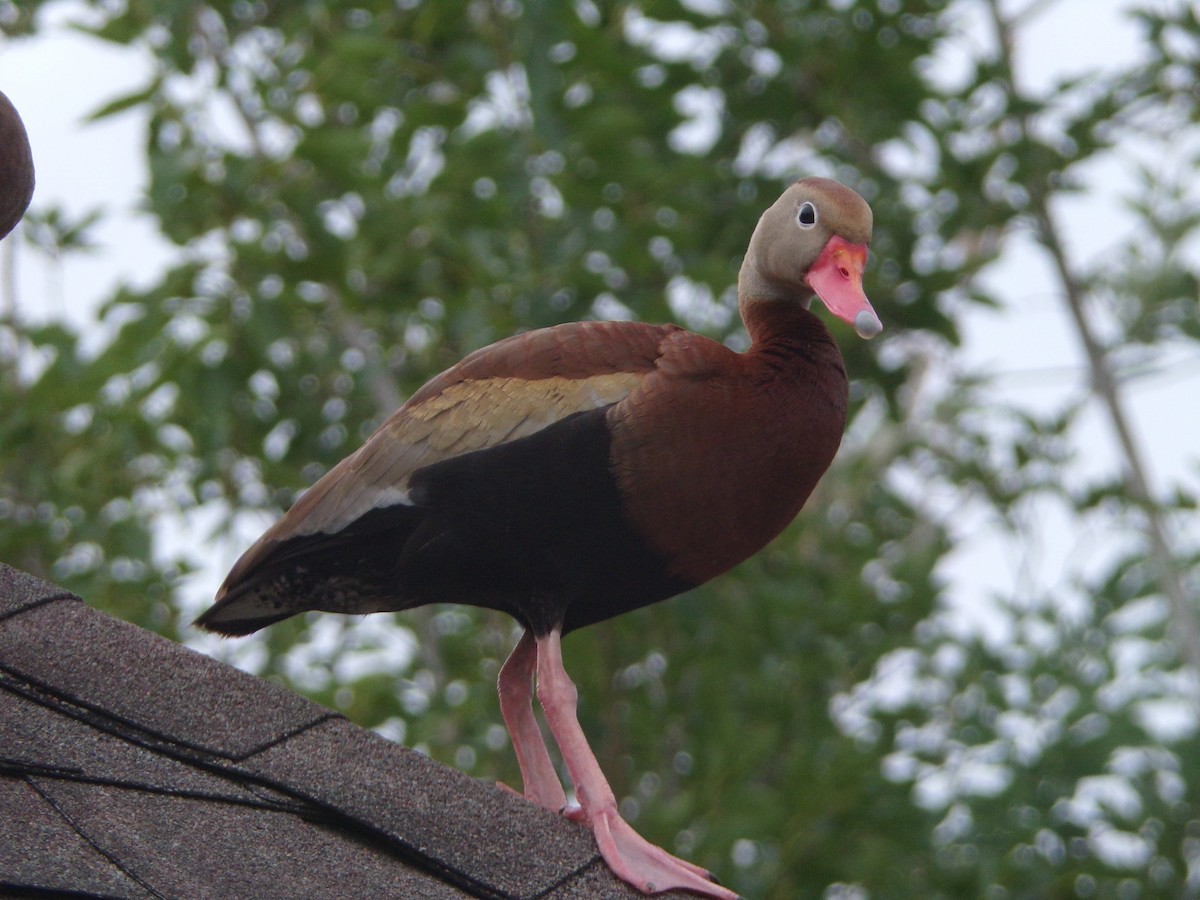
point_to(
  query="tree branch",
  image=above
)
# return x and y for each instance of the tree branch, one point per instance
(1185, 629)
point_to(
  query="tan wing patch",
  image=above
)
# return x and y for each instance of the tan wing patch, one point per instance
(463, 417)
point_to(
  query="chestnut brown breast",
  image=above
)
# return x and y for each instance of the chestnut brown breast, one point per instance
(717, 451)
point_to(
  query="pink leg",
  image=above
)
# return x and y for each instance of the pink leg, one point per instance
(631, 857)
(516, 705)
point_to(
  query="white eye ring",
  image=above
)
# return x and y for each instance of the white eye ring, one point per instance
(806, 216)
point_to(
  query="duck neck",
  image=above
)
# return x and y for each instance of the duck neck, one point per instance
(779, 323)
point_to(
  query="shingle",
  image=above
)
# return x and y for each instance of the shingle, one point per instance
(188, 847)
(40, 851)
(39, 738)
(142, 767)
(167, 690)
(597, 882)
(458, 822)
(20, 591)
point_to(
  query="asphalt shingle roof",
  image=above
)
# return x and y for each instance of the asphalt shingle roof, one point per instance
(131, 766)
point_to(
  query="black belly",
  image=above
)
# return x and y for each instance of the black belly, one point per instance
(535, 528)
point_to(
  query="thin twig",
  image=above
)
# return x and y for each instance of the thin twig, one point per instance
(1185, 629)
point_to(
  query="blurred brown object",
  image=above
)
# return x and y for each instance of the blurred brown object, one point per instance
(16, 167)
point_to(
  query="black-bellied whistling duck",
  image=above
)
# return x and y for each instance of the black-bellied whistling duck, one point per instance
(577, 472)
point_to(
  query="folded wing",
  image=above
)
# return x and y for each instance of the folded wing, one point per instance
(502, 393)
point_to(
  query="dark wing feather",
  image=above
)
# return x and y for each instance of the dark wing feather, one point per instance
(504, 392)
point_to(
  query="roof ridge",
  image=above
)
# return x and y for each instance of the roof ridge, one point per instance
(119, 726)
(228, 768)
(133, 739)
(62, 594)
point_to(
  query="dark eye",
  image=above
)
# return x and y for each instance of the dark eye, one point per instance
(807, 216)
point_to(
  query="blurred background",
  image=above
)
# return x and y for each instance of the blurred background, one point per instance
(969, 669)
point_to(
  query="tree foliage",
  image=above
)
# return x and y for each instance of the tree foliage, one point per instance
(360, 195)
